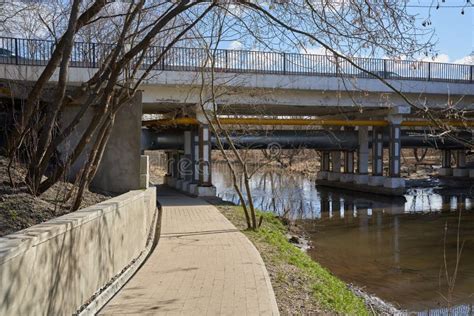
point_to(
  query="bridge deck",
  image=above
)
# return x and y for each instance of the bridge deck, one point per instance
(202, 265)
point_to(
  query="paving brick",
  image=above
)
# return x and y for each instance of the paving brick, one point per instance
(202, 266)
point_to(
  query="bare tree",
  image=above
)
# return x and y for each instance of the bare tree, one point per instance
(133, 28)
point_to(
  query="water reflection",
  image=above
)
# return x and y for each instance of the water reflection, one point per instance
(296, 195)
(394, 248)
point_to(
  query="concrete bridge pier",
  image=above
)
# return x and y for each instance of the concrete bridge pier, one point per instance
(325, 165)
(185, 163)
(195, 163)
(172, 175)
(445, 169)
(377, 178)
(169, 167)
(189, 170)
(335, 173)
(202, 185)
(348, 170)
(392, 184)
(394, 180)
(460, 170)
(362, 175)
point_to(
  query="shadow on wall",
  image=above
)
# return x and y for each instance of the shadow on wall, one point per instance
(55, 267)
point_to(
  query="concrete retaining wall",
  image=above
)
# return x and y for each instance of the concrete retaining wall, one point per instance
(55, 267)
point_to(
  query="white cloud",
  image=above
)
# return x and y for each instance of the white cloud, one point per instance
(236, 45)
(467, 60)
(315, 51)
(441, 58)
(444, 58)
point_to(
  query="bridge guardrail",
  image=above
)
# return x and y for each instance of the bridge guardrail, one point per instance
(34, 52)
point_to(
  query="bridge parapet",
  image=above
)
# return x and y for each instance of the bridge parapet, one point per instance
(34, 52)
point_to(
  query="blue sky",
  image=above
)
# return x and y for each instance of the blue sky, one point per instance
(455, 31)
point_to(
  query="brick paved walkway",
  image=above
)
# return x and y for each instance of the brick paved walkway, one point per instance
(202, 266)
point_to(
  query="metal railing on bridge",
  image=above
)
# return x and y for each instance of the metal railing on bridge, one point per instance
(90, 55)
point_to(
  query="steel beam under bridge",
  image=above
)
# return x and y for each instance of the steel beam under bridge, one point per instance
(289, 139)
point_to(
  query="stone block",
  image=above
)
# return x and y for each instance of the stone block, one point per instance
(376, 180)
(171, 182)
(445, 171)
(178, 184)
(361, 178)
(192, 188)
(394, 183)
(208, 191)
(346, 177)
(334, 176)
(460, 172)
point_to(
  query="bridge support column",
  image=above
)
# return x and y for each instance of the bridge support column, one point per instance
(186, 163)
(119, 168)
(377, 178)
(362, 175)
(169, 167)
(204, 186)
(173, 169)
(460, 170)
(324, 166)
(180, 172)
(335, 173)
(348, 174)
(445, 169)
(394, 181)
(195, 153)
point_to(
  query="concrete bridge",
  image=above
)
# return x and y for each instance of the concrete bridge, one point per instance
(333, 91)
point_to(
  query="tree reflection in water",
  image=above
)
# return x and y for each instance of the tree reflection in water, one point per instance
(393, 247)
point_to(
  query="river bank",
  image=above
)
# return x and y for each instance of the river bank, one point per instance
(19, 209)
(302, 286)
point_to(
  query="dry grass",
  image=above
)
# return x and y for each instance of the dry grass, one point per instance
(20, 210)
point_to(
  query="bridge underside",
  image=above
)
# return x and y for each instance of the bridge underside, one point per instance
(350, 157)
(178, 94)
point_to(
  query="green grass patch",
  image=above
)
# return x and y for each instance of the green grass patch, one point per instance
(329, 291)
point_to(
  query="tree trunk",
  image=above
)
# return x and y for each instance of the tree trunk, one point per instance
(94, 159)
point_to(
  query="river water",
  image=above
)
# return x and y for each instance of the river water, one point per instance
(402, 250)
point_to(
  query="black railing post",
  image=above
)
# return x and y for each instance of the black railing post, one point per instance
(16, 51)
(94, 59)
(162, 58)
(284, 63)
(226, 54)
(385, 69)
(471, 79)
(429, 71)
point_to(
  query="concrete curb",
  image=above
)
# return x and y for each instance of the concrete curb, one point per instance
(106, 294)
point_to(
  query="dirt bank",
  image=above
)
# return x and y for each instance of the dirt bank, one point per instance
(20, 210)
